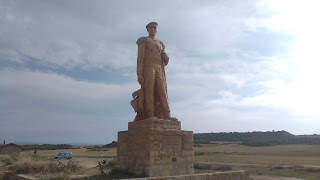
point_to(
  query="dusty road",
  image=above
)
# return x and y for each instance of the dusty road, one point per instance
(272, 178)
(257, 165)
(233, 164)
(86, 162)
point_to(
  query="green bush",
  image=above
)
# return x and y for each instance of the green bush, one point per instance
(223, 168)
(28, 165)
(201, 166)
(255, 138)
(71, 166)
(15, 157)
(6, 160)
(111, 164)
(310, 169)
(306, 169)
(29, 147)
(119, 173)
(276, 167)
(62, 176)
(10, 159)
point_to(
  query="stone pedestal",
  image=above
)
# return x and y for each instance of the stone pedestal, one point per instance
(156, 147)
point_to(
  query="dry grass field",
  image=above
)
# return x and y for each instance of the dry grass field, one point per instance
(84, 163)
(269, 155)
(296, 161)
(299, 161)
(77, 153)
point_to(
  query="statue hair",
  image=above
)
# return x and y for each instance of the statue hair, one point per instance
(151, 23)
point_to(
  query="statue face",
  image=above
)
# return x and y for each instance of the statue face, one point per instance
(152, 29)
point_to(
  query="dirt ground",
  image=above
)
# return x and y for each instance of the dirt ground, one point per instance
(272, 178)
(87, 162)
(284, 162)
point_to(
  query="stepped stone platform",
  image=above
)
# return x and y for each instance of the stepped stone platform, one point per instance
(157, 147)
(231, 175)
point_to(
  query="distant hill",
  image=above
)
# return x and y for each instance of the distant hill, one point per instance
(257, 138)
(111, 145)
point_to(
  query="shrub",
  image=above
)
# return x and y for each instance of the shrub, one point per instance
(62, 176)
(37, 157)
(206, 153)
(25, 166)
(45, 147)
(111, 164)
(310, 169)
(276, 167)
(119, 173)
(223, 168)
(306, 169)
(201, 166)
(71, 166)
(15, 157)
(29, 166)
(199, 153)
(6, 160)
(10, 159)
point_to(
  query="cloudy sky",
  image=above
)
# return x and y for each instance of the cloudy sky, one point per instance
(68, 68)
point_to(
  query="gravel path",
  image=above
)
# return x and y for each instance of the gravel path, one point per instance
(86, 159)
(233, 164)
(272, 178)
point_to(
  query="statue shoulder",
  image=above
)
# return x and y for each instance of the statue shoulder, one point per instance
(161, 43)
(141, 40)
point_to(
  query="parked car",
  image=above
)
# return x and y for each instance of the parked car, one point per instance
(63, 155)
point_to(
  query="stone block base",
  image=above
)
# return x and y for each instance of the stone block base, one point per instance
(156, 147)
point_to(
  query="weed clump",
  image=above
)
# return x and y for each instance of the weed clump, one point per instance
(62, 176)
(111, 164)
(119, 173)
(277, 167)
(10, 159)
(306, 169)
(6, 160)
(223, 168)
(30, 166)
(201, 166)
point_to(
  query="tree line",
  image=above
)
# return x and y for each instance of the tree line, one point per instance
(46, 147)
(257, 138)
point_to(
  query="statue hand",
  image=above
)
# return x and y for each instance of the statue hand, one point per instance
(165, 58)
(140, 80)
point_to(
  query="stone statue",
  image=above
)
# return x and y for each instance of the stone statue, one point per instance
(154, 143)
(152, 99)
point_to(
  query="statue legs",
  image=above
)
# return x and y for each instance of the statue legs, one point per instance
(155, 93)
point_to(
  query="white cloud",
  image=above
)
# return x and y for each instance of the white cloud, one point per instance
(300, 97)
(295, 89)
(230, 67)
(103, 34)
(50, 105)
(58, 86)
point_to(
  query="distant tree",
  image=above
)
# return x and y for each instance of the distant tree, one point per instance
(45, 147)
(256, 138)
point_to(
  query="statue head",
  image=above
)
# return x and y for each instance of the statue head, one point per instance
(152, 28)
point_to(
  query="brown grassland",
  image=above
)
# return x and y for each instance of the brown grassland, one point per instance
(299, 161)
(269, 155)
(77, 153)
